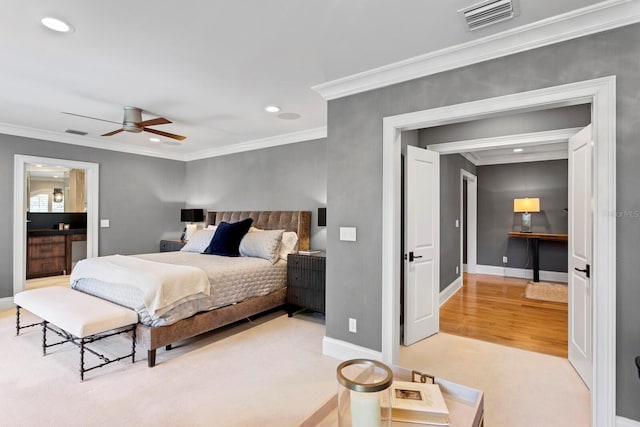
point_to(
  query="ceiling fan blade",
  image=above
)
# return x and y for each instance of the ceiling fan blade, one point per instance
(167, 134)
(153, 122)
(113, 133)
(92, 118)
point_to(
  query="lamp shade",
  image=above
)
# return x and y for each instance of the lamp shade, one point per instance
(322, 217)
(191, 215)
(526, 205)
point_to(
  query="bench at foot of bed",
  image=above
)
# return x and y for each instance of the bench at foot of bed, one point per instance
(79, 318)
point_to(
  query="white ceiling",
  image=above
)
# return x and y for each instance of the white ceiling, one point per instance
(212, 66)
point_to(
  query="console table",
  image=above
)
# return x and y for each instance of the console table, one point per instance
(535, 242)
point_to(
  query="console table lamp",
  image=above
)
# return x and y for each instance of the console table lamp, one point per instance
(526, 206)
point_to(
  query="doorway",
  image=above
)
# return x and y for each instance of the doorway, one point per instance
(600, 93)
(91, 178)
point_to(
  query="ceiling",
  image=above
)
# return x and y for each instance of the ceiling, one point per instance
(212, 66)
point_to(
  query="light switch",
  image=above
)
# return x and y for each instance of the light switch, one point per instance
(457, 223)
(104, 223)
(348, 234)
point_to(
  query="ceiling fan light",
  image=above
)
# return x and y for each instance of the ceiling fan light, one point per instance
(56, 24)
(154, 139)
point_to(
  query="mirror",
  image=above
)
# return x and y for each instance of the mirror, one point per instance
(55, 189)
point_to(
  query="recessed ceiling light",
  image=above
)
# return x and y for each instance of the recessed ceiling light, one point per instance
(154, 139)
(518, 150)
(272, 108)
(56, 24)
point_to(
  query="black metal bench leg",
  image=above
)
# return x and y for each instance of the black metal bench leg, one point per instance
(81, 359)
(133, 345)
(44, 337)
(17, 320)
(151, 358)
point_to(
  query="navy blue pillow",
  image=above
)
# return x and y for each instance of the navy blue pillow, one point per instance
(226, 239)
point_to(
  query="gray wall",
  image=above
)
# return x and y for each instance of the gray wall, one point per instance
(354, 177)
(498, 185)
(141, 196)
(450, 166)
(287, 177)
(535, 121)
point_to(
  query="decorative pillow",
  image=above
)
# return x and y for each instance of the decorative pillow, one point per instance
(262, 244)
(199, 241)
(211, 227)
(226, 239)
(288, 244)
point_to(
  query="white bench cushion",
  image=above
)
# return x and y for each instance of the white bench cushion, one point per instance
(77, 313)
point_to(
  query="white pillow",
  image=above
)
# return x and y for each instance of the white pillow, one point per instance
(199, 241)
(211, 227)
(262, 244)
(288, 244)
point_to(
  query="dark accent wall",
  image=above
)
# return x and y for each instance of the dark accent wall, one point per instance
(354, 177)
(141, 196)
(450, 166)
(498, 185)
(286, 177)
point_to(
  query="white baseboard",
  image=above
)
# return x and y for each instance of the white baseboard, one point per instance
(6, 303)
(448, 292)
(343, 350)
(553, 276)
(464, 268)
(626, 422)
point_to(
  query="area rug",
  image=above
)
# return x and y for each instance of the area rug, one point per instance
(547, 291)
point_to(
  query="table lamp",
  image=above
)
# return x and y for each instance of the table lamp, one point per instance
(526, 206)
(190, 216)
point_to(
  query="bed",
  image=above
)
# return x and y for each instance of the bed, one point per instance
(179, 322)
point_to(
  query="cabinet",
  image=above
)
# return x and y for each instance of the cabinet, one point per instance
(46, 256)
(306, 282)
(171, 245)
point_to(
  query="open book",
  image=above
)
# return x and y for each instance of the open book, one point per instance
(417, 403)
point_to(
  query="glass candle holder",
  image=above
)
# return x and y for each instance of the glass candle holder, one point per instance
(361, 382)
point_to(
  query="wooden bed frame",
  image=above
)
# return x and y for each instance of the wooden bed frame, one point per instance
(153, 338)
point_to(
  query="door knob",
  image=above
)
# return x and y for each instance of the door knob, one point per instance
(586, 271)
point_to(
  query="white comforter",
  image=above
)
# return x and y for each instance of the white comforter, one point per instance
(162, 285)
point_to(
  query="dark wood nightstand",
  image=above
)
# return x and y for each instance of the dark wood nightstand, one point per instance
(306, 282)
(171, 245)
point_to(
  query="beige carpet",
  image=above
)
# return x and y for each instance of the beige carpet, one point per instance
(522, 388)
(547, 291)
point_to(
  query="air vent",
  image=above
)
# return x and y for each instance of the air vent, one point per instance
(76, 132)
(488, 12)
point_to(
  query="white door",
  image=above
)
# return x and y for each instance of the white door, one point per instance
(422, 249)
(580, 227)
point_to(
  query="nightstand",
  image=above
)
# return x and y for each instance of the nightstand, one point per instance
(306, 282)
(171, 245)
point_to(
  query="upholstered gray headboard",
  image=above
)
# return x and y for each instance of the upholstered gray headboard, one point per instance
(298, 221)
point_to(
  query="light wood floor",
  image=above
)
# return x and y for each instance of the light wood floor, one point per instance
(494, 309)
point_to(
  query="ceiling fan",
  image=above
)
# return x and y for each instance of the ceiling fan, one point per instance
(133, 122)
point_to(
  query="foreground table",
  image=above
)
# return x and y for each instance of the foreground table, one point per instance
(465, 404)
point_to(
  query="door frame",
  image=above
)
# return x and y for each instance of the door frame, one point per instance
(20, 212)
(472, 221)
(600, 93)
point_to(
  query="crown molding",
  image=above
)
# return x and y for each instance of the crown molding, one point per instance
(85, 141)
(592, 19)
(272, 141)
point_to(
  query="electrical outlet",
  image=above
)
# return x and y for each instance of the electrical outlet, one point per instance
(505, 259)
(457, 269)
(353, 325)
(457, 223)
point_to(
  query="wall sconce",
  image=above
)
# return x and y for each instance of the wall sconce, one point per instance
(322, 217)
(190, 216)
(58, 195)
(526, 206)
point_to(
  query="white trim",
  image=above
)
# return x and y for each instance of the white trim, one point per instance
(521, 273)
(600, 93)
(451, 289)
(626, 422)
(257, 144)
(92, 177)
(343, 350)
(472, 221)
(592, 19)
(523, 158)
(85, 141)
(6, 303)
